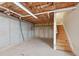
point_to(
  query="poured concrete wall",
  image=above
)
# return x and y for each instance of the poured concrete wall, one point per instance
(43, 31)
(10, 33)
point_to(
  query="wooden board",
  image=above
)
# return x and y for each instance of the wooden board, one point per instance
(38, 7)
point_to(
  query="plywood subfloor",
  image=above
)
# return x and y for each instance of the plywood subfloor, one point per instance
(62, 40)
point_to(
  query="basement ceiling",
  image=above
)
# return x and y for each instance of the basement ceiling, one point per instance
(37, 8)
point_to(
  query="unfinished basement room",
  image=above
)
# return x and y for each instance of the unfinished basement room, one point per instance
(26, 28)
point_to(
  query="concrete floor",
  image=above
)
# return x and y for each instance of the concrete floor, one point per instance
(33, 47)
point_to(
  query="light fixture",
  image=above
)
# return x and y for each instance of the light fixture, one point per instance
(25, 9)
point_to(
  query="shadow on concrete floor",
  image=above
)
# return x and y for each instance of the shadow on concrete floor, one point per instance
(48, 41)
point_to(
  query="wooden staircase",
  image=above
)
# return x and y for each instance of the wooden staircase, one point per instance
(62, 40)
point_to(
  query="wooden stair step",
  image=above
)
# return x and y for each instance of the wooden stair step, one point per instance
(62, 40)
(64, 48)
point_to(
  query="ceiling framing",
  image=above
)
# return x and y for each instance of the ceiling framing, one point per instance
(35, 8)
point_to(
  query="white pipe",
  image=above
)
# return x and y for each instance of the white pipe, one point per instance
(11, 11)
(65, 9)
(59, 10)
(54, 41)
(25, 9)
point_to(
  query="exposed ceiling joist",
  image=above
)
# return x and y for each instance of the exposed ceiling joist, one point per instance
(10, 11)
(58, 10)
(25, 9)
(38, 9)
